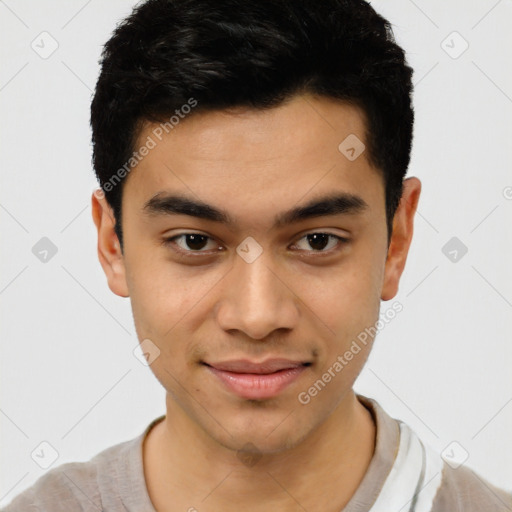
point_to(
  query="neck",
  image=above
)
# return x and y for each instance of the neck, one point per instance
(185, 466)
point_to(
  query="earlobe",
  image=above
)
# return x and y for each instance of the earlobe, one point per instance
(109, 250)
(403, 226)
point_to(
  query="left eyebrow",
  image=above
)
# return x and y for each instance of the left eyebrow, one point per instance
(342, 203)
(334, 204)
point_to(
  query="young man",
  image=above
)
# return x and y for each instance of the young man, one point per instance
(252, 157)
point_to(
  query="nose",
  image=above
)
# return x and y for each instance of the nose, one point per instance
(257, 299)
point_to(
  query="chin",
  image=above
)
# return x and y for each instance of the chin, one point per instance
(262, 436)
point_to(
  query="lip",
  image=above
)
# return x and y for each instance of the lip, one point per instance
(265, 367)
(257, 381)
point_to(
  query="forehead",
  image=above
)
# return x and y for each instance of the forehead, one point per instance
(302, 123)
(254, 161)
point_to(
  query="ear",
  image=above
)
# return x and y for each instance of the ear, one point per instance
(109, 249)
(401, 237)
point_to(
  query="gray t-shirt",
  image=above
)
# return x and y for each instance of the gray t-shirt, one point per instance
(404, 475)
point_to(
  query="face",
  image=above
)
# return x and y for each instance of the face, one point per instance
(252, 281)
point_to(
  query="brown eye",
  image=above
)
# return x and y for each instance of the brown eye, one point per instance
(319, 241)
(189, 242)
(195, 242)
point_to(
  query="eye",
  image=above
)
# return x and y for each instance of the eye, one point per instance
(319, 241)
(188, 242)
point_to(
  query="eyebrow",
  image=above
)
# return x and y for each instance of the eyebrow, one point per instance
(341, 203)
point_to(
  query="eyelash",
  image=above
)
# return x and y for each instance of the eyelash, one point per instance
(170, 242)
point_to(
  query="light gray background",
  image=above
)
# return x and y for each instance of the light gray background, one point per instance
(443, 365)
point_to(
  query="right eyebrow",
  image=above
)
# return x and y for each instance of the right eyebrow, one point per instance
(174, 204)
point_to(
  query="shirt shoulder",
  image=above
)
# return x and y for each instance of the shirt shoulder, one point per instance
(73, 486)
(412, 472)
(107, 481)
(62, 488)
(464, 490)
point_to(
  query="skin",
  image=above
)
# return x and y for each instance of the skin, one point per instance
(290, 302)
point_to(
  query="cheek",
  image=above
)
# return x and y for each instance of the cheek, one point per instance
(153, 283)
(168, 301)
(346, 298)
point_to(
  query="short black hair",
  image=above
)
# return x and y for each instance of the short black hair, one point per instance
(219, 54)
